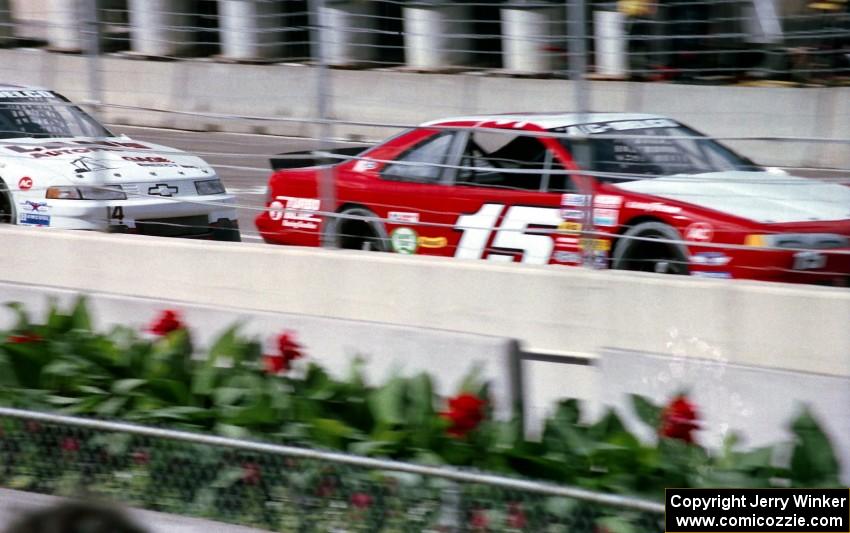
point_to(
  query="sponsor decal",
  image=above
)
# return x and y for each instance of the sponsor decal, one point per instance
(162, 189)
(567, 257)
(35, 207)
(597, 245)
(150, 161)
(574, 200)
(25, 183)
(88, 164)
(710, 258)
(364, 164)
(621, 125)
(608, 200)
(568, 241)
(26, 94)
(403, 217)
(432, 242)
(809, 260)
(569, 227)
(699, 232)
(654, 207)
(600, 259)
(572, 214)
(404, 241)
(717, 275)
(295, 212)
(54, 149)
(34, 219)
(605, 217)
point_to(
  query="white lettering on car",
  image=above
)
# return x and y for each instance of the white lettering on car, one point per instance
(511, 234)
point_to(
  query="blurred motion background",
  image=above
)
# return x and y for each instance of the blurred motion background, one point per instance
(239, 81)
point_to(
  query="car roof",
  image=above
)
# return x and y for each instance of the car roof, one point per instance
(548, 121)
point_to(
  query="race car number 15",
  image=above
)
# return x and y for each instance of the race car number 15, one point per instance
(511, 234)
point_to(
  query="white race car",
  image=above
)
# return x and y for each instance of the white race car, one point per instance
(60, 168)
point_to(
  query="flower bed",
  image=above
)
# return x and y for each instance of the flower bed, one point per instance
(149, 377)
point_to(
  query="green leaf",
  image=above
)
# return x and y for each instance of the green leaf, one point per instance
(648, 412)
(80, 318)
(813, 461)
(386, 402)
(126, 386)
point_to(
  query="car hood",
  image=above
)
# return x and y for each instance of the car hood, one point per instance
(758, 196)
(111, 160)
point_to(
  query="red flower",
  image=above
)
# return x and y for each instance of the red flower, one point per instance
(70, 445)
(165, 323)
(141, 457)
(516, 516)
(288, 349)
(465, 413)
(679, 420)
(479, 520)
(24, 338)
(251, 473)
(361, 500)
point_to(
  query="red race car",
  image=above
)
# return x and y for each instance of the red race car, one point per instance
(623, 191)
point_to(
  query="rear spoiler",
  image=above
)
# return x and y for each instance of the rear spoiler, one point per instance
(311, 158)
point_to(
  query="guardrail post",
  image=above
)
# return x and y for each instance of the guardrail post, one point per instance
(532, 36)
(434, 33)
(7, 25)
(63, 31)
(250, 29)
(349, 30)
(160, 28)
(610, 40)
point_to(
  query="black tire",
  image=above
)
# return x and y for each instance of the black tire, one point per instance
(356, 233)
(7, 213)
(648, 256)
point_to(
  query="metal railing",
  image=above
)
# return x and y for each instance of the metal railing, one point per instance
(286, 488)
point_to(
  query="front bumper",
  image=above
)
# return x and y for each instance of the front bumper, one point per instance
(211, 217)
(820, 267)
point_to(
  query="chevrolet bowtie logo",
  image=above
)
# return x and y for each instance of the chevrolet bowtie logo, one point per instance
(162, 189)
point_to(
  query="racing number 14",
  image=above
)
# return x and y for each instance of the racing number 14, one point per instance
(477, 227)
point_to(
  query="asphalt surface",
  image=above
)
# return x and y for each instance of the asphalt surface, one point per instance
(242, 162)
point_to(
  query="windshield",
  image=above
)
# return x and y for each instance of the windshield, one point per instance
(638, 149)
(44, 114)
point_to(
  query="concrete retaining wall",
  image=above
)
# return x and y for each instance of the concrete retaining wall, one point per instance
(205, 87)
(563, 310)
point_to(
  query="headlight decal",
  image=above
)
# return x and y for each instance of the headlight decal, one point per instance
(208, 187)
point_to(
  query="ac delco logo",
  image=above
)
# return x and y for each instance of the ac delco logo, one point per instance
(136, 159)
(25, 184)
(699, 232)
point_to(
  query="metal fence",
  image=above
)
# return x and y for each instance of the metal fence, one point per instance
(712, 41)
(283, 488)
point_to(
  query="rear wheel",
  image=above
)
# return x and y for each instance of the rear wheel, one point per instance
(637, 250)
(351, 232)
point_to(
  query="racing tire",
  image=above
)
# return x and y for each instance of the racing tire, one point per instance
(647, 256)
(357, 234)
(7, 214)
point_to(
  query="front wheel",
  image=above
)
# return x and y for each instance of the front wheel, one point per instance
(6, 212)
(638, 250)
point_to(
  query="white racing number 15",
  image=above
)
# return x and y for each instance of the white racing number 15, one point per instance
(477, 227)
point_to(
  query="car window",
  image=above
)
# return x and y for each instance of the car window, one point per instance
(652, 148)
(503, 159)
(44, 114)
(421, 162)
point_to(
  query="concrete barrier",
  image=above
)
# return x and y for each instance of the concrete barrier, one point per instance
(549, 309)
(389, 97)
